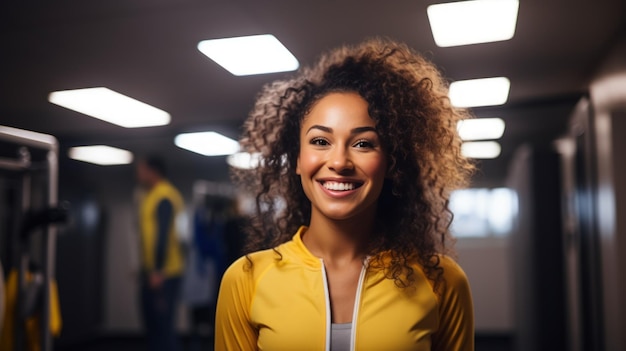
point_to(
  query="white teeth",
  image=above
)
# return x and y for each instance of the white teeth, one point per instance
(339, 186)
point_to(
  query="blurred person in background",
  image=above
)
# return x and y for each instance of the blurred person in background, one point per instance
(162, 262)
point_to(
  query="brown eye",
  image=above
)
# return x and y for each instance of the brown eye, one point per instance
(364, 144)
(319, 142)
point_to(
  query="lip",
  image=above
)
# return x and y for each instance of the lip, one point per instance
(339, 193)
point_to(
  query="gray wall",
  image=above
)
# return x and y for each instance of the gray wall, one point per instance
(487, 264)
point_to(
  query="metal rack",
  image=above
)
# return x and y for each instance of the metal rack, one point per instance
(25, 167)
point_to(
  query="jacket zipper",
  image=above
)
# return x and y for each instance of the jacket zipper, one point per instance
(357, 303)
(328, 312)
(355, 313)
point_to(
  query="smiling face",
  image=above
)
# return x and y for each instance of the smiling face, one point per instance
(341, 162)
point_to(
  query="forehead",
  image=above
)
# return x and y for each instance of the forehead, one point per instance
(339, 110)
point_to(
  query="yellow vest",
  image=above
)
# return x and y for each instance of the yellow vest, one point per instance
(173, 264)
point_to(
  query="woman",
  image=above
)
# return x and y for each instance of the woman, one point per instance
(362, 149)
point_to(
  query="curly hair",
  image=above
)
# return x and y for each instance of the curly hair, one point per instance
(408, 100)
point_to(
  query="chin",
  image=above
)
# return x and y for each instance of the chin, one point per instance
(345, 210)
(344, 214)
(338, 217)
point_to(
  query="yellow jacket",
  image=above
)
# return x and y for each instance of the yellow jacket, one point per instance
(173, 264)
(283, 304)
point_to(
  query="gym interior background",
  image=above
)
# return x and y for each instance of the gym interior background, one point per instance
(541, 247)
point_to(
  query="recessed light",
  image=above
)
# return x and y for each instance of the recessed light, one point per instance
(255, 54)
(101, 155)
(480, 92)
(481, 129)
(481, 149)
(473, 22)
(207, 143)
(110, 106)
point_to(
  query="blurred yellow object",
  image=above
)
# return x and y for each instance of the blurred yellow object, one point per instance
(32, 324)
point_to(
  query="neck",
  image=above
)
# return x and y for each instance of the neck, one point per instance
(153, 183)
(339, 240)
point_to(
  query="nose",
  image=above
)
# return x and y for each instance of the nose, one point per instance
(339, 160)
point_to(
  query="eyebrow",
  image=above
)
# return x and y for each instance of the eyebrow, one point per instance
(357, 130)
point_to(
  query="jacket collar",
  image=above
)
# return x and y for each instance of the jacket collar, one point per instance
(300, 251)
(296, 246)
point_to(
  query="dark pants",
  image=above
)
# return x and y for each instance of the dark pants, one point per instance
(158, 309)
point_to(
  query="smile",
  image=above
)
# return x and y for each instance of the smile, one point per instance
(340, 186)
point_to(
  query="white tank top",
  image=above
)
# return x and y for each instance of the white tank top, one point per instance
(340, 336)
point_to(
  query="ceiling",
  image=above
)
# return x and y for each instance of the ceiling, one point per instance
(147, 50)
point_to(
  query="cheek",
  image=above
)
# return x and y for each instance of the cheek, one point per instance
(376, 167)
(308, 162)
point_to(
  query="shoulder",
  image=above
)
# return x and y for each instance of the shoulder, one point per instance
(454, 289)
(453, 274)
(452, 281)
(165, 189)
(250, 266)
(456, 311)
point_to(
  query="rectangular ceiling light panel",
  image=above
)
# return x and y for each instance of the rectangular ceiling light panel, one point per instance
(256, 54)
(481, 149)
(473, 22)
(207, 143)
(101, 155)
(110, 106)
(480, 92)
(481, 129)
